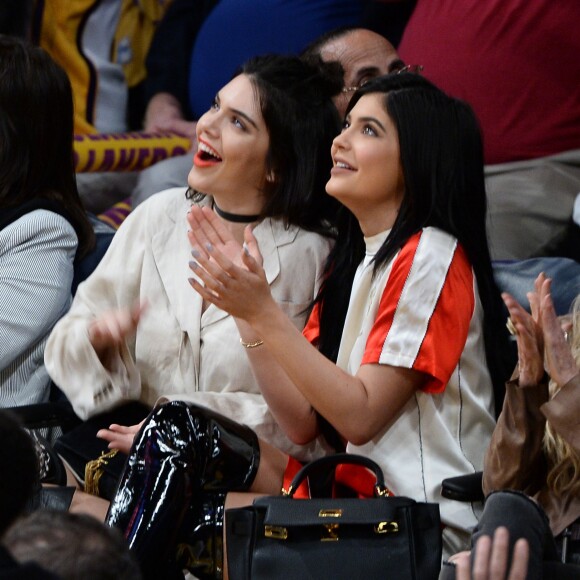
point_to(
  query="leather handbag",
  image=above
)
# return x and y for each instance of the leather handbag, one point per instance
(95, 466)
(371, 538)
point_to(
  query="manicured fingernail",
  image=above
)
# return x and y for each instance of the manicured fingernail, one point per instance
(193, 265)
(246, 251)
(195, 253)
(209, 247)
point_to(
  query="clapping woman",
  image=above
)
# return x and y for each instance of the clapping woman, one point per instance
(401, 350)
(532, 466)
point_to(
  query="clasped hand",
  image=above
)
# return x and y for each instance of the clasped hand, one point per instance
(228, 275)
(540, 336)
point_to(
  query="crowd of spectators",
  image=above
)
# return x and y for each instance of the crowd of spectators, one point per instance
(154, 324)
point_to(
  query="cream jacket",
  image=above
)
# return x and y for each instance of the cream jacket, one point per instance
(178, 352)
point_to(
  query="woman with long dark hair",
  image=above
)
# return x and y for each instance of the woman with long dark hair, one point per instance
(262, 160)
(393, 359)
(43, 226)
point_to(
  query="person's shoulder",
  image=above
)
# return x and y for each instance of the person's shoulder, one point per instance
(167, 201)
(435, 237)
(38, 222)
(433, 242)
(434, 249)
(164, 206)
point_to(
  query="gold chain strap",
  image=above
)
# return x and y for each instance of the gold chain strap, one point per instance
(94, 470)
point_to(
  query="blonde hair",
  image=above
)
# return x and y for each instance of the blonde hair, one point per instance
(563, 461)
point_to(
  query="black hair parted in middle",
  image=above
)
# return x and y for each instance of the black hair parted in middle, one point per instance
(441, 155)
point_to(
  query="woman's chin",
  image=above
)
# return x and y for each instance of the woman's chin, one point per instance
(333, 189)
(195, 181)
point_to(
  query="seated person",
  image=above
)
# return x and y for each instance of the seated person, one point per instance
(102, 46)
(137, 330)
(17, 486)
(230, 33)
(43, 227)
(532, 466)
(500, 56)
(376, 365)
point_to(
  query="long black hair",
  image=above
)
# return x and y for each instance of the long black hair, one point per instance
(442, 162)
(295, 99)
(36, 134)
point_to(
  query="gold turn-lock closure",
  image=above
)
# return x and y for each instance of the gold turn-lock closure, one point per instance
(330, 533)
(276, 532)
(387, 528)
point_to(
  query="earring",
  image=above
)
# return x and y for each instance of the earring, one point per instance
(271, 177)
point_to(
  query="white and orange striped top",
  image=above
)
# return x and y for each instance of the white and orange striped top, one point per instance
(422, 311)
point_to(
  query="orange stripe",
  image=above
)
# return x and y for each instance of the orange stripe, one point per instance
(449, 325)
(390, 299)
(312, 329)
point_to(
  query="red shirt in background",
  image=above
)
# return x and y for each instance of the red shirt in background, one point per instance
(517, 62)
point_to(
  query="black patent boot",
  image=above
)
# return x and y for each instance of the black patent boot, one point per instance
(201, 551)
(181, 451)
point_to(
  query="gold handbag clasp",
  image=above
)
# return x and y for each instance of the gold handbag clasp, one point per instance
(276, 532)
(386, 528)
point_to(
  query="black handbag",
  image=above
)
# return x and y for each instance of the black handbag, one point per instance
(379, 537)
(95, 466)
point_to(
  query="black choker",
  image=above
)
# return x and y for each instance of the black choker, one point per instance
(235, 217)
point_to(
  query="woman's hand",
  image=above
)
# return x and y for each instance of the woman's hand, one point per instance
(119, 436)
(207, 228)
(237, 286)
(560, 362)
(112, 328)
(530, 359)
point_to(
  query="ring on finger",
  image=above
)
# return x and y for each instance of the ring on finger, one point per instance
(511, 327)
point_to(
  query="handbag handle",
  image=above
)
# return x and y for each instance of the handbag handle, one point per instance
(337, 459)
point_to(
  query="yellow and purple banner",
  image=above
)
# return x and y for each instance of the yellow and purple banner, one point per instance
(125, 151)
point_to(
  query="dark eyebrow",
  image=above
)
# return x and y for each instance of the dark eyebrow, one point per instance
(372, 120)
(238, 112)
(241, 114)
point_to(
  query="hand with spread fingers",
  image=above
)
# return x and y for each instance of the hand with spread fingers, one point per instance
(527, 333)
(207, 228)
(231, 278)
(559, 359)
(540, 337)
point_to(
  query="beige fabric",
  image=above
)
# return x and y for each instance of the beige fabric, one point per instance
(178, 351)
